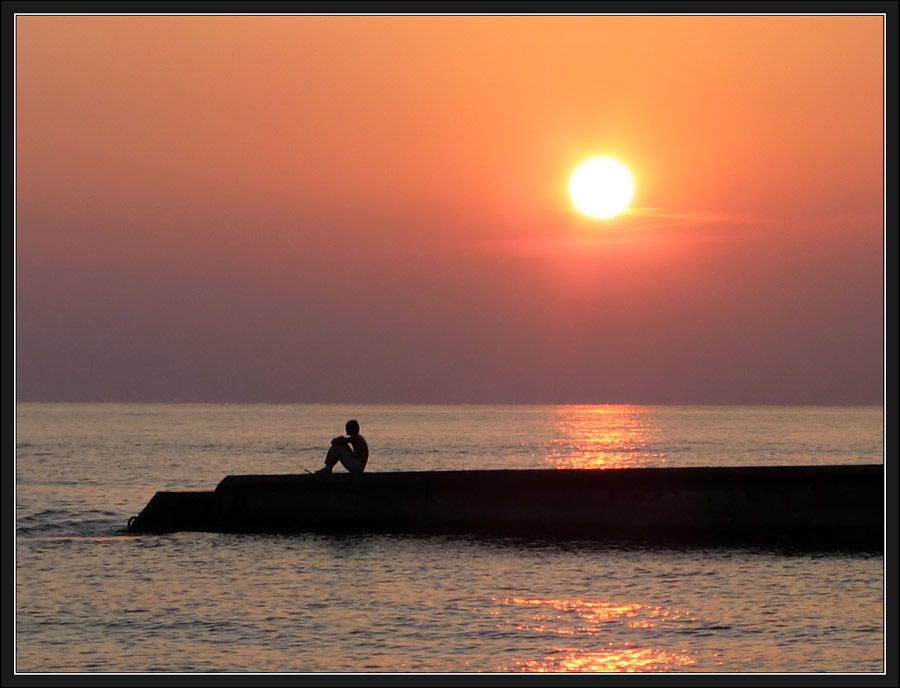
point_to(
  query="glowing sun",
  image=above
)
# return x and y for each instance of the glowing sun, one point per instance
(601, 187)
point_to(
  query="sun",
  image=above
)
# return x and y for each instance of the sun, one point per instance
(601, 187)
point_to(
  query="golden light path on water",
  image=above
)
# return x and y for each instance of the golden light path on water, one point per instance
(624, 660)
(586, 619)
(611, 436)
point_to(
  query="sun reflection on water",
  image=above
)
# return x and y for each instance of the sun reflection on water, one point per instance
(608, 436)
(583, 618)
(627, 659)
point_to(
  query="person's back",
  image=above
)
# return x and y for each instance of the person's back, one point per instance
(360, 447)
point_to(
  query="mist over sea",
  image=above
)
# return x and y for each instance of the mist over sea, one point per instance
(90, 598)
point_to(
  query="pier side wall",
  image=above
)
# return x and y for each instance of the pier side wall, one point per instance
(812, 506)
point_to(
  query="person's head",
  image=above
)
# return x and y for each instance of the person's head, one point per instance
(352, 427)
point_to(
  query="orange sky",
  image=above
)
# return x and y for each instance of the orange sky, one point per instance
(302, 208)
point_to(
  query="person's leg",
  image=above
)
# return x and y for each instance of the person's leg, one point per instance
(350, 462)
(331, 458)
(342, 453)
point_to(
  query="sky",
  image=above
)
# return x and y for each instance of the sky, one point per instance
(374, 209)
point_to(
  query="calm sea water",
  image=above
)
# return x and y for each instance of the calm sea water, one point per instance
(89, 598)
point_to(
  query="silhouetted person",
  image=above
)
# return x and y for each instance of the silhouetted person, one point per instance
(352, 451)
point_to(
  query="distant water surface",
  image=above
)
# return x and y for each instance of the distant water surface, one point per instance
(90, 599)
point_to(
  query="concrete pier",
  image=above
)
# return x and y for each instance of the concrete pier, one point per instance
(818, 507)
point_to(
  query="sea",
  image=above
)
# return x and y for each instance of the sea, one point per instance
(90, 598)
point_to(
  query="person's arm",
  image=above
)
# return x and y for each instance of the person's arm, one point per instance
(341, 440)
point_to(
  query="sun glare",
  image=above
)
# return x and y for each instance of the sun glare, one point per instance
(601, 187)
